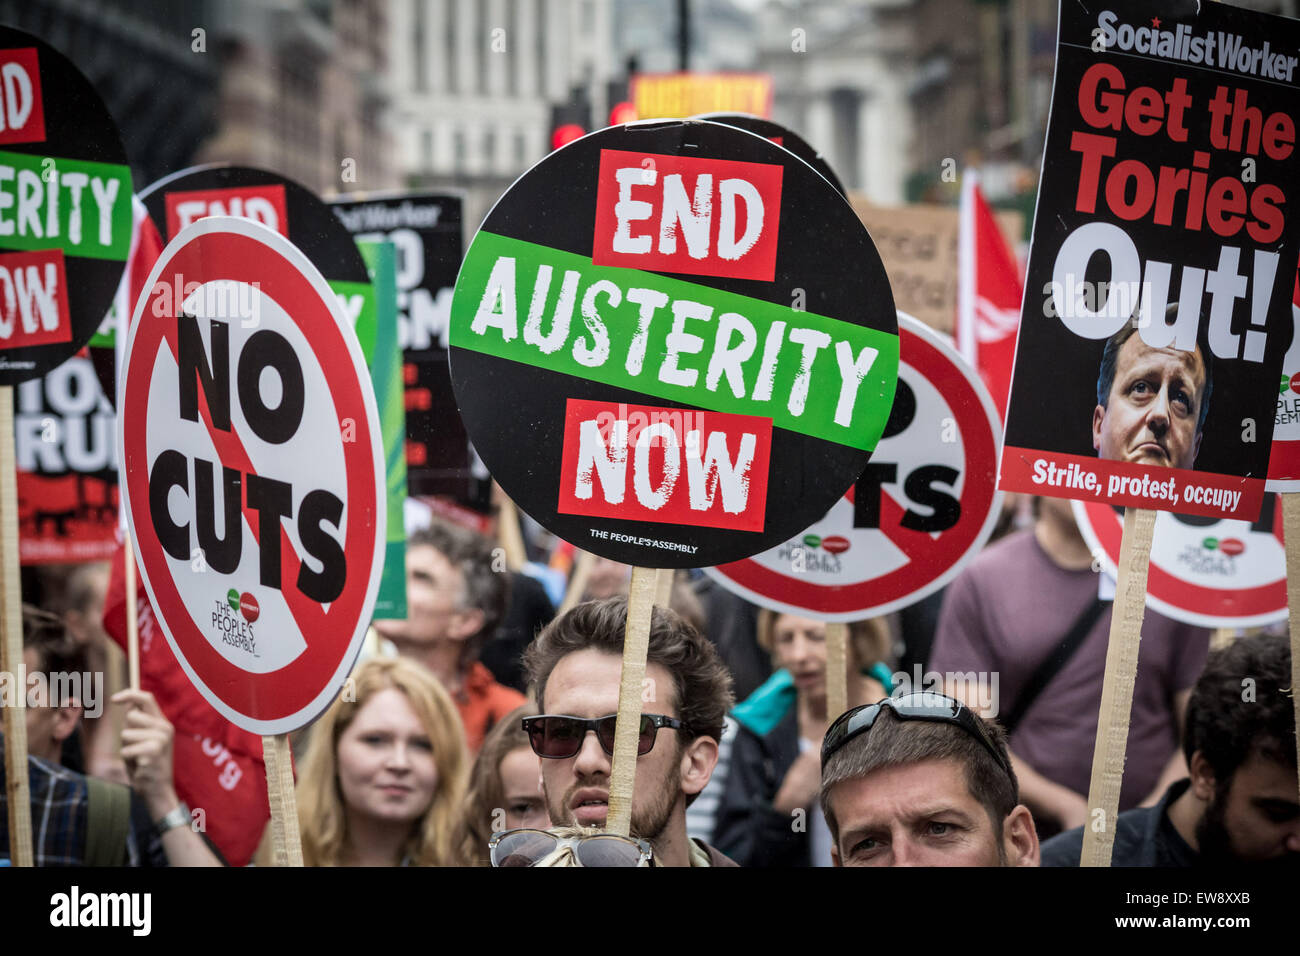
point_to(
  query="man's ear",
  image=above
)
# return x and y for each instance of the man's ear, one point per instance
(1203, 779)
(1196, 445)
(1020, 838)
(699, 757)
(467, 622)
(1098, 416)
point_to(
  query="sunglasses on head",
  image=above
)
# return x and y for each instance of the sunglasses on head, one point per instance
(526, 847)
(933, 707)
(560, 736)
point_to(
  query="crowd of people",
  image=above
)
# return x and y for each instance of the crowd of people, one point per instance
(479, 730)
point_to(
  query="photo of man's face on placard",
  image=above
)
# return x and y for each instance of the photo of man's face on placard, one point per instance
(1151, 402)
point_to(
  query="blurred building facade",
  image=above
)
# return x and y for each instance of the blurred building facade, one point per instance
(304, 91)
(840, 70)
(295, 86)
(474, 82)
(140, 56)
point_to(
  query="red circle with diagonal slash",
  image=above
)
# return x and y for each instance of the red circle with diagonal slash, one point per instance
(1246, 599)
(931, 561)
(216, 249)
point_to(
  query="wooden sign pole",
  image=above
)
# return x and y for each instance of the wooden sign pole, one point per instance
(1117, 687)
(582, 566)
(664, 587)
(17, 796)
(837, 676)
(286, 838)
(636, 642)
(132, 612)
(509, 534)
(1291, 534)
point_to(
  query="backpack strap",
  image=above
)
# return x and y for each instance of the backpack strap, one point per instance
(108, 819)
(1056, 660)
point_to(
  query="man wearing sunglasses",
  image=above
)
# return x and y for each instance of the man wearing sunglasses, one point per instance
(922, 780)
(575, 666)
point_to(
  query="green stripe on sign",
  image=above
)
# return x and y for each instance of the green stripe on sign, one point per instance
(81, 207)
(675, 340)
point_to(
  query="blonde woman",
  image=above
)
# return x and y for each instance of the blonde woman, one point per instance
(385, 770)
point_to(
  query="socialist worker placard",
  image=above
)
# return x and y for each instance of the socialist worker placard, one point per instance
(1157, 307)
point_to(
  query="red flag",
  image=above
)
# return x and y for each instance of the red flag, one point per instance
(989, 292)
(216, 766)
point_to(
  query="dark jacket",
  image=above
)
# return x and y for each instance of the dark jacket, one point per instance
(1143, 837)
(749, 829)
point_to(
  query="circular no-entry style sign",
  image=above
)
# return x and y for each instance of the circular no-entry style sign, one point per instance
(65, 208)
(252, 472)
(1205, 571)
(923, 507)
(783, 137)
(673, 343)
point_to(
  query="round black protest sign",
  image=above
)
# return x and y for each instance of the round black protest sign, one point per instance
(673, 343)
(65, 208)
(275, 201)
(783, 137)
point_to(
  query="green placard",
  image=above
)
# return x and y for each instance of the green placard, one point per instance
(373, 311)
(800, 369)
(81, 207)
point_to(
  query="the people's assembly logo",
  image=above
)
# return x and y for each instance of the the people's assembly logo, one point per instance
(232, 620)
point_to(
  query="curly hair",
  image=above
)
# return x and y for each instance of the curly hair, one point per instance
(486, 589)
(1229, 719)
(321, 812)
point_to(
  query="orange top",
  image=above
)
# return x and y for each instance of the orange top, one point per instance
(482, 702)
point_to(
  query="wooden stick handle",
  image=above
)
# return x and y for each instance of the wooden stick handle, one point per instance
(509, 534)
(582, 566)
(636, 642)
(664, 579)
(132, 622)
(285, 835)
(1291, 535)
(17, 796)
(837, 669)
(1117, 687)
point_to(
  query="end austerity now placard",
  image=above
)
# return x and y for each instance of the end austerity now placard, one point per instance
(673, 344)
(1158, 298)
(65, 208)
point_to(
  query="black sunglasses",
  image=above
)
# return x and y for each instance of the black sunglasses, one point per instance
(934, 707)
(560, 736)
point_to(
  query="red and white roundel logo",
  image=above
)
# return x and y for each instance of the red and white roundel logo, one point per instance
(1209, 572)
(252, 472)
(925, 505)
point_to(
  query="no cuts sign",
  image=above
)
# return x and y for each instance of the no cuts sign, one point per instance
(1211, 572)
(252, 472)
(673, 344)
(924, 506)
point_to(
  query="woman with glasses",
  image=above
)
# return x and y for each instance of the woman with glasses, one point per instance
(769, 813)
(384, 775)
(504, 789)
